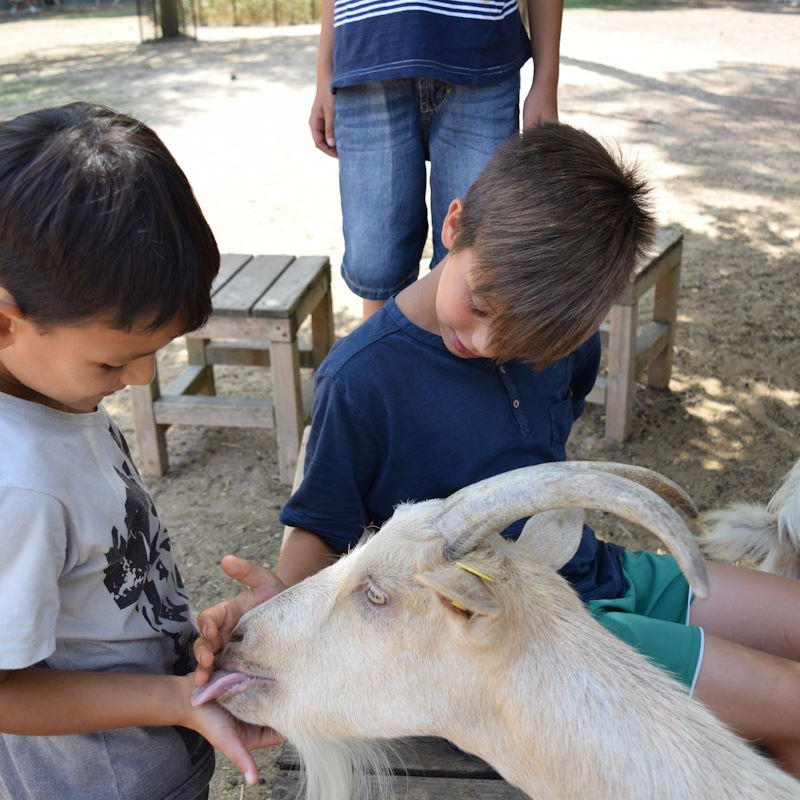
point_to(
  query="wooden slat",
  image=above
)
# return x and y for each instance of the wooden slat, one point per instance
(288, 752)
(665, 311)
(322, 332)
(193, 380)
(244, 328)
(599, 391)
(311, 299)
(226, 412)
(650, 341)
(248, 354)
(287, 787)
(284, 297)
(238, 296)
(307, 395)
(230, 264)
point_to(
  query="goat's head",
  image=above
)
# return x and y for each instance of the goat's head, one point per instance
(343, 652)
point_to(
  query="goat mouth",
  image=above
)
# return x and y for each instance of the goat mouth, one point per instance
(225, 683)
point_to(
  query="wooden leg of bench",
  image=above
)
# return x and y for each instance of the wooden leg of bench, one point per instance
(150, 436)
(286, 387)
(298, 476)
(322, 334)
(196, 353)
(621, 371)
(665, 309)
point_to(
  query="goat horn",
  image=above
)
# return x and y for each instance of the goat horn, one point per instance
(487, 507)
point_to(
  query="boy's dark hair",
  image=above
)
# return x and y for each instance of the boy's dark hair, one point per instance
(97, 219)
(556, 225)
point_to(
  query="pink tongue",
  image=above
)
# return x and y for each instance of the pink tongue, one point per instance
(219, 683)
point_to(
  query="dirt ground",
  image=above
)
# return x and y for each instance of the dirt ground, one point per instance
(706, 97)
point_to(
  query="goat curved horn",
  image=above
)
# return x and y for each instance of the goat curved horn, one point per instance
(487, 507)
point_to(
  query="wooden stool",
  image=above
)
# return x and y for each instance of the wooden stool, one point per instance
(259, 303)
(423, 768)
(629, 349)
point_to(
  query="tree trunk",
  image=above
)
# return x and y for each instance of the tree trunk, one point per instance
(169, 18)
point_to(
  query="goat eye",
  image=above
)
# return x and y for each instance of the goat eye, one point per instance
(375, 595)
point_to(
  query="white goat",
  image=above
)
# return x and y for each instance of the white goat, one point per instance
(399, 639)
(765, 536)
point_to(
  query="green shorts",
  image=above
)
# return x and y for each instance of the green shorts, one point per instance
(653, 614)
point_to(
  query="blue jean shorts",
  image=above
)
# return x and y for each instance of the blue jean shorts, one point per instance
(653, 614)
(385, 132)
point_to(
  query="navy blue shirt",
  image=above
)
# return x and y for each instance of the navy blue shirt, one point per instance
(397, 417)
(462, 42)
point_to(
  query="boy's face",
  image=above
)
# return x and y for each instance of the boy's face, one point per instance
(73, 367)
(464, 319)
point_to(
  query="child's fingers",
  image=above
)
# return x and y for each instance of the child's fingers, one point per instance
(217, 622)
(204, 657)
(239, 756)
(251, 575)
(261, 582)
(247, 766)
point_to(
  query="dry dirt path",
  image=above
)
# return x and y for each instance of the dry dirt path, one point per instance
(706, 97)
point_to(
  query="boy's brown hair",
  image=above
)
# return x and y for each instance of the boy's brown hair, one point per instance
(556, 225)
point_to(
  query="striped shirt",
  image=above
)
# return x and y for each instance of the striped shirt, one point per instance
(472, 42)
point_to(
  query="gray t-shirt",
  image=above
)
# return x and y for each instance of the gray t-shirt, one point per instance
(88, 582)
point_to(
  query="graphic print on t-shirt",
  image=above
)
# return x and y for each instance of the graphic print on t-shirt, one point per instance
(141, 571)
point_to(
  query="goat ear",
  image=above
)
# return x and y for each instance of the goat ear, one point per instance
(553, 537)
(462, 591)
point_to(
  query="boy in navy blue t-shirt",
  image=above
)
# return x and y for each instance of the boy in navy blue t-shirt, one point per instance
(481, 366)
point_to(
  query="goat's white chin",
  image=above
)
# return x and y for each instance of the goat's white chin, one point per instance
(225, 684)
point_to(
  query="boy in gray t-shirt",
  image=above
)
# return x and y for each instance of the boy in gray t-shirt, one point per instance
(104, 258)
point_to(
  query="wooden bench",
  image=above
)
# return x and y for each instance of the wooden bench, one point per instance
(630, 349)
(259, 304)
(423, 768)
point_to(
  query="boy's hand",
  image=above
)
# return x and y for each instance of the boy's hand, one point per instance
(217, 623)
(540, 105)
(232, 737)
(321, 121)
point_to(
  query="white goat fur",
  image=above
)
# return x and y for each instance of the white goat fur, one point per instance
(767, 536)
(526, 678)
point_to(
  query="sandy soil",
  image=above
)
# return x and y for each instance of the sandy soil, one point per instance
(707, 99)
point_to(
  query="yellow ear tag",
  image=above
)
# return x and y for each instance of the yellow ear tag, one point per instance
(473, 571)
(458, 605)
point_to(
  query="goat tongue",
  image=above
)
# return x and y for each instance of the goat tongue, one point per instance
(220, 682)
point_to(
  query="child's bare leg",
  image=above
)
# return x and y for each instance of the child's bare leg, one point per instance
(750, 673)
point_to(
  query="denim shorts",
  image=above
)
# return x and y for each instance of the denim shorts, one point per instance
(653, 614)
(385, 132)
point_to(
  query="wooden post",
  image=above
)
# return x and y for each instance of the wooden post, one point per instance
(286, 391)
(621, 371)
(322, 334)
(665, 309)
(150, 436)
(196, 354)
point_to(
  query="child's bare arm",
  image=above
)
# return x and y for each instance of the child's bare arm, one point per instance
(541, 103)
(303, 554)
(44, 702)
(321, 119)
